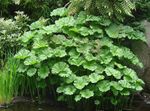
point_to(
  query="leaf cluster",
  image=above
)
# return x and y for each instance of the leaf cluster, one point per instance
(142, 10)
(84, 53)
(110, 8)
(10, 31)
(33, 8)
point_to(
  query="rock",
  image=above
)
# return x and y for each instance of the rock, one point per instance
(21, 99)
(5, 105)
(40, 109)
(142, 50)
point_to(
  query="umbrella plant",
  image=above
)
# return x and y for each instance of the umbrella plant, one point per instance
(83, 55)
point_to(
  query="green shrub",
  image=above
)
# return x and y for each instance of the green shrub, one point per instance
(10, 31)
(33, 8)
(14, 84)
(83, 55)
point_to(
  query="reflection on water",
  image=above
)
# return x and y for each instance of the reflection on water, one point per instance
(32, 107)
(140, 106)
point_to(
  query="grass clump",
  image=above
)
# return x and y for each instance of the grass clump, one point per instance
(8, 81)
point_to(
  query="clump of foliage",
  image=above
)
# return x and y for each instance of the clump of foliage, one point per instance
(10, 30)
(142, 10)
(34, 8)
(83, 55)
(139, 15)
(14, 84)
(8, 81)
(111, 8)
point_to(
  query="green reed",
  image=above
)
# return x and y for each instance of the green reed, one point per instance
(8, 81)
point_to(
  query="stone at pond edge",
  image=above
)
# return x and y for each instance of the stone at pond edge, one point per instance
(142, 50)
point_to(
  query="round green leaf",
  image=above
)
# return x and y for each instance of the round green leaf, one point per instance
(31, 60)
(81, 82)
(43, 72)
(31, 72)
(116, 86)
(90, 65)
(78, 98)
(95, 77)
(87, 93)
(104, 86)
(22, 54)
(113, 72)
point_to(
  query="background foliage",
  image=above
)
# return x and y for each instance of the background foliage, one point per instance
(115, 9)
(142, 10)
(82, 55)
(10, 30)
(33, 8)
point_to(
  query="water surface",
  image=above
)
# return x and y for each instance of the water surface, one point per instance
(141, 106)
(32, 107)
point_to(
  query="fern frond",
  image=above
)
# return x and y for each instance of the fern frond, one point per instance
(111, 8)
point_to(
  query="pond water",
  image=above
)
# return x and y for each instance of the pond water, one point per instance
(32, 107)
(46, 107)
(141, 106)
